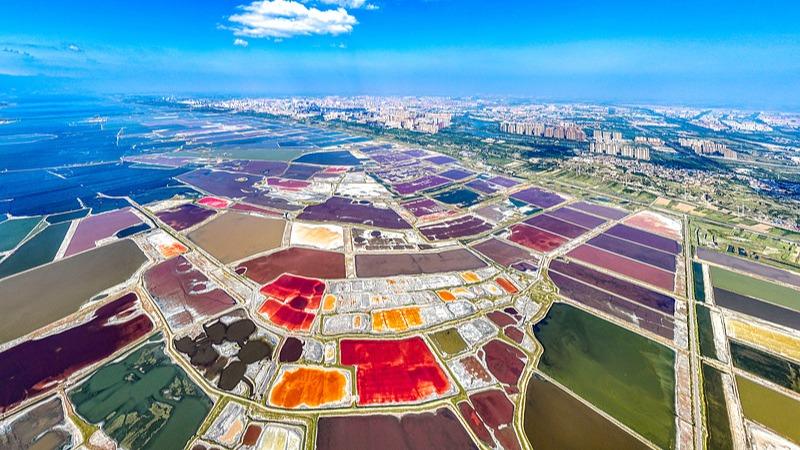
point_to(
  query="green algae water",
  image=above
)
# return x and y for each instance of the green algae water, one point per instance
(770, 408)
(705, 332)
(143, 401)
(552, 416)
(718, 427)
(609, 366)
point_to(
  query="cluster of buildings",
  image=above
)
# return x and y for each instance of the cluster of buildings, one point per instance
(401, 118)
(568, 131)
(707, 147)
(611, 143)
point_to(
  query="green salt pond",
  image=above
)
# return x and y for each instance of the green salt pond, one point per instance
(697, 280)
(449, 341)
(755, 288)
(38, 250)
(705, 332)
(13, 231)
(609, 366)
(767, 366)
(552, 416)
(718, 427)
(770, 408)
(143, 401)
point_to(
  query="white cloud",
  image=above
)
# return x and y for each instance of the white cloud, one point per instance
(287, 18)
(74, 48)
(354, 4)
(239, 42)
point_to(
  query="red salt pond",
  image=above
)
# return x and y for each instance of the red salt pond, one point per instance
(625, 266)
(495, 411)
(304, 262)
(214, 202)
(505, 362)
(394, 371)
(292, 302)
(94, 228)
(535, 238)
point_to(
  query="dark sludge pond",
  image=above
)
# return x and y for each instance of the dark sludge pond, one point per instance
(228, 372)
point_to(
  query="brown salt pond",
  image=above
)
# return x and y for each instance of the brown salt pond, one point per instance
(42, 426)
(184, 294)
(251, 435)
(234, 236)
(413, 431)
(552, 416)
(304, 262)
(49, 293)
(384, 265)
(491, 410)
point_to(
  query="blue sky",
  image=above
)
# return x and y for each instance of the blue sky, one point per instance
(700, 52)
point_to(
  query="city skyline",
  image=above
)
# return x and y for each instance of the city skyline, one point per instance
(742, 55)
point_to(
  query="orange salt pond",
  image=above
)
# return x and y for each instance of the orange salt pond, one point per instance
(446, 295)
(325, 237)
(329, 303)
(399, 319)
(310, 387)
(167, 246)
(470, 277)
(506, 285)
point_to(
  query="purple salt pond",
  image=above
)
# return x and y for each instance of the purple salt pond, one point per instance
(482, 186)
(645, 238)
(538, 197)
(94, 228)
(598, 210)
(553, 225)
(630, 291)
(339, 209)
(457, 174)
(421, 184)
(300, 171)
(267, 168)
(269, 201)
(623, 309)
(577, 217)
(415, 153)
(424, 207)
(287, 184)
(226, 184)
(441, 159)
(501, 252)
(635, 251)
(456, 228)
(184, 216)
(503, 181)
(386, 159)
